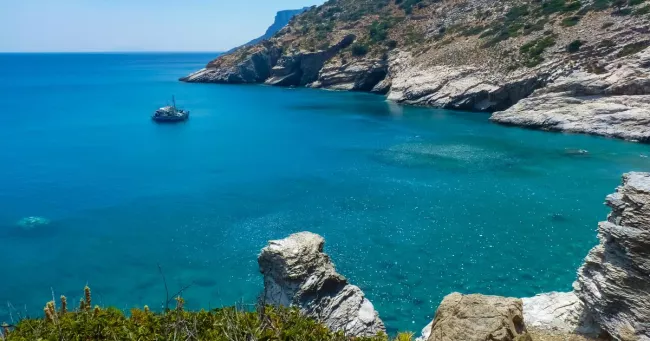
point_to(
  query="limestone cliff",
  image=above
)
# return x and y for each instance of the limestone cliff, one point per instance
(614, 281)
(480, 55)
(282, 18)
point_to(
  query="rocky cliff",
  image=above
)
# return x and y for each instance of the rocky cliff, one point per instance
(298, 273)
(583, 61)
(614, 281)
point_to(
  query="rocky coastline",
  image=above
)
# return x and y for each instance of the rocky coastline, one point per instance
(579, 67)
(611, 297)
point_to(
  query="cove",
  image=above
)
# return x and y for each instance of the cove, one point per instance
(414, 203)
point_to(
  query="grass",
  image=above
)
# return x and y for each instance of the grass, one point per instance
(226, 324)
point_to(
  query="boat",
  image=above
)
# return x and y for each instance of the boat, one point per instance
(170, 114)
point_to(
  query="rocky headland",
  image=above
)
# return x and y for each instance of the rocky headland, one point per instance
(611, 297)
(563, 65)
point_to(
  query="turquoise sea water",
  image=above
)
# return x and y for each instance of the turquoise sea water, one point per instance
(414, 203)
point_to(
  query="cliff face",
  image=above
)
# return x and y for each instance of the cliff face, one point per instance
(614, 281)
(480, 55)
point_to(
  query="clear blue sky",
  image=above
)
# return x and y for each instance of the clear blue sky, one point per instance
(135, 25)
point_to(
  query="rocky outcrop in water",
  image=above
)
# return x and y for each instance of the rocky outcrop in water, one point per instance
(614, 102)
(477, 318)
(614, 281)
(254, 66)
(298, 273)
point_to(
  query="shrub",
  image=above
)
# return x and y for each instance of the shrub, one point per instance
(533, 50)
(643, 10)
(570, 21)
(391, 44)
(635, 2)
(574, 46)
(232, 323)
(632, 49)
(607, 25)
(359, 49)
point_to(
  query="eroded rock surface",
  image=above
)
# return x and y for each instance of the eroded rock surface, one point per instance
(478, 318)
(558, 312)
(614, 281)
(615, 103)
(298, 273)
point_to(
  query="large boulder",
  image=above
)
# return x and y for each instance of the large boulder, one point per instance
(478, 318)
(614, 281)
(298, 273)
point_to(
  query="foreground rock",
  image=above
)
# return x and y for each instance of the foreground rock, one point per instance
(614, 103)
(614, 281)
(558, 312)
(298, 273)
(478, 318)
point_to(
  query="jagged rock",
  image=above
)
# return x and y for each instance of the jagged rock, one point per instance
(254, 67)
(360, 75)
(478, 318)
(298, 273)
(614, 281)
(282, 18)
(458, 87)
(615, 103)
(302, 68)
(558, 312)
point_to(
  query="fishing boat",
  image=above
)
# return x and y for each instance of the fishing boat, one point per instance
(170, 114)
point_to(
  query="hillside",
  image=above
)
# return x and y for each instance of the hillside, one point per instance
(282, 18)
(478, 55)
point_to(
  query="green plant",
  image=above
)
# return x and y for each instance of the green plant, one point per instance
(607, 43)
(532, 51)
(359, 49)
(607, 25)
(632, 48)
(574, 46)
(643, 10)
(570, 21)
(225, 324)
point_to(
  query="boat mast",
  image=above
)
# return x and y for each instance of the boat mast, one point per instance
(174, 102)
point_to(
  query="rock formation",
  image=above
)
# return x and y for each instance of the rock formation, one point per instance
(614, 281)
(564, 65)
(298, 273)
(614, 102)
(478, 318)
(558, 312)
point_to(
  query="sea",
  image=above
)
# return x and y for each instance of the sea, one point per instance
(414, 203)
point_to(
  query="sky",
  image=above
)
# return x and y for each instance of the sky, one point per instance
(135, 25)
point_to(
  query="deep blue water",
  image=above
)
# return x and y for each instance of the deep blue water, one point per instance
(414, 203)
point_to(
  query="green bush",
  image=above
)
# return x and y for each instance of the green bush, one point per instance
(574, 46)
(225, 324)
(359, 49)
(632, 49)
(570, 21)
(532, 51)
(643, 10)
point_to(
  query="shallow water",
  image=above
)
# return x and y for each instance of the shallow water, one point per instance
(414, 203)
